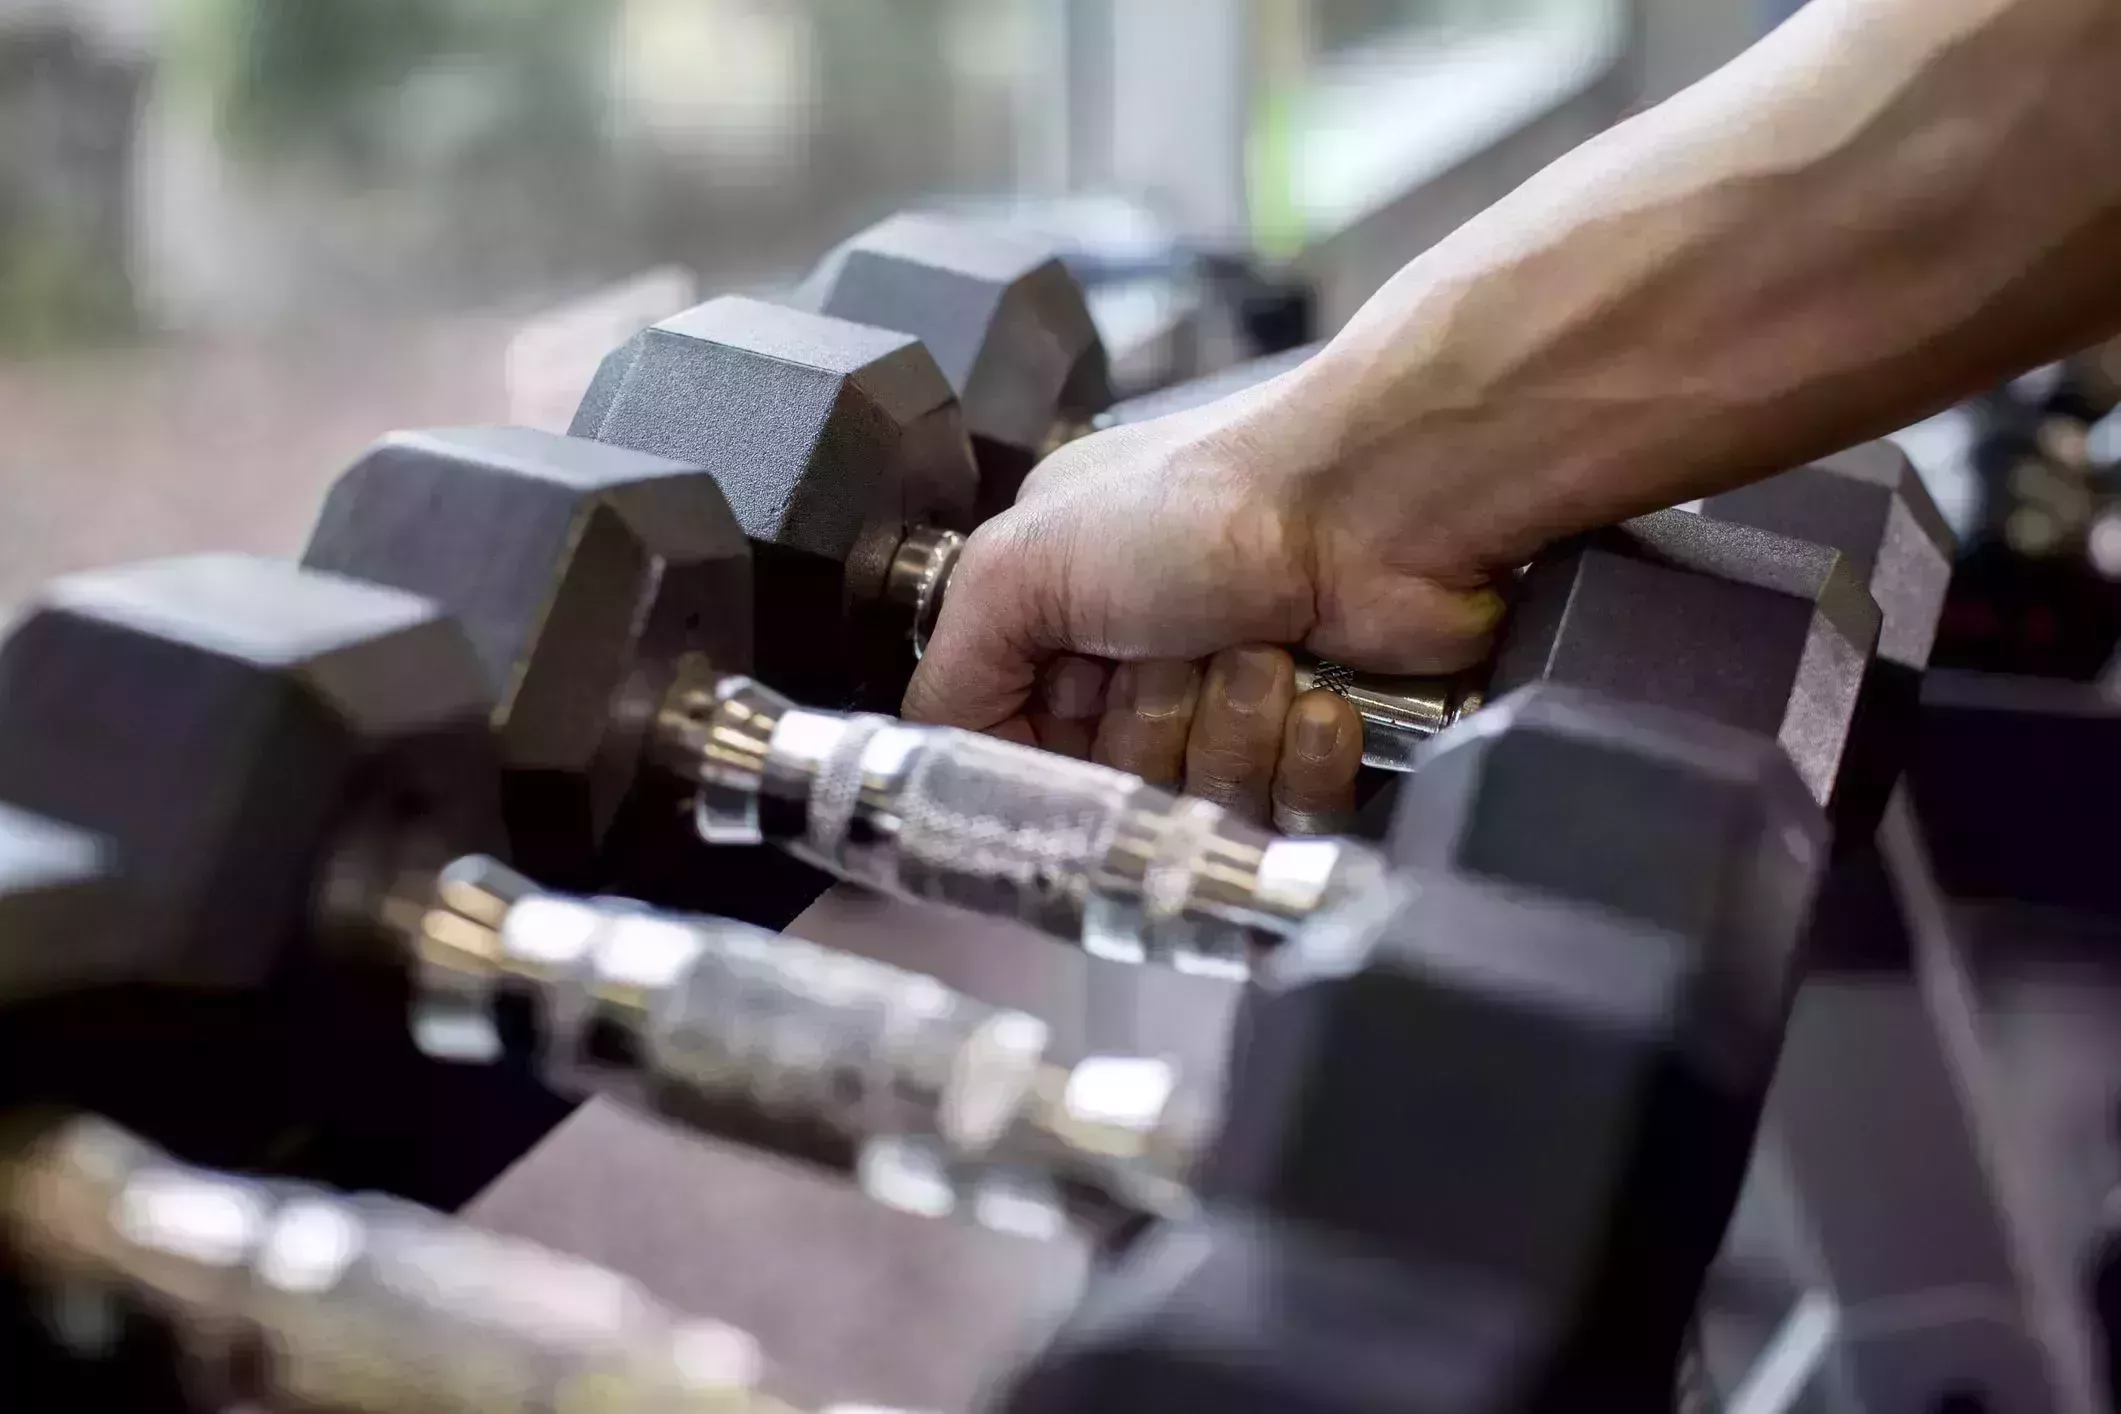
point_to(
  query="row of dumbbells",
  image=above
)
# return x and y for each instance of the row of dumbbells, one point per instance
(1475, 1038)
(290, 767)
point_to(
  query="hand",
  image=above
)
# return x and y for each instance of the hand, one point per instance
(1173, 549)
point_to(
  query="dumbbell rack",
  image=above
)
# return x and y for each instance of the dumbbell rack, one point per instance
(1697, 690)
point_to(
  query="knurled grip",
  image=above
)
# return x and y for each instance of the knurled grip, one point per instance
(1003, 830)
(784, 1028)
(292, 1296)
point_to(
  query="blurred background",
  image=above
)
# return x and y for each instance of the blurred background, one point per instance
(241, 238)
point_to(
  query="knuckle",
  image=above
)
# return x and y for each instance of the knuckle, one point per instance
(1227, 768)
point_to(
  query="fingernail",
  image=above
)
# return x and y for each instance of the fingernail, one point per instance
(1249, 679)
(1317, 729)
(1073, 689)
(1158, 689)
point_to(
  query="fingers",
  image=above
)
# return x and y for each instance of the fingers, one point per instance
(1071, 699)
(981, 667)
(1235, 743)
(1148, 716)
(1321, 754)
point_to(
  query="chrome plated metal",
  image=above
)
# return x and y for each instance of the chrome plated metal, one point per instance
(1081, 852)
(919, 569)
(711, 1019)
(1398, 713)
(291, 1296)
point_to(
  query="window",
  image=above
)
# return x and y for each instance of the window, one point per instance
(1363, 100)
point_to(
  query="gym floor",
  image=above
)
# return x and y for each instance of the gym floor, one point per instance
(177, 447)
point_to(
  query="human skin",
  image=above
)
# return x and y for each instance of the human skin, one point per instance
(1884, 206)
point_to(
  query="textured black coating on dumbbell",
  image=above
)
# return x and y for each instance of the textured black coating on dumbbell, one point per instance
(1868, 503)
(1236, 1313)
(242, 730)
(1002, 317)
(1726, 621)
(581, 573)
(1656, 815)
(828, 439)
(1529, 1071)
(266, 751)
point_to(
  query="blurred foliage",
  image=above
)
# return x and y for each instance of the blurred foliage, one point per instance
(338, 78)
(56, 291)
(68, 112)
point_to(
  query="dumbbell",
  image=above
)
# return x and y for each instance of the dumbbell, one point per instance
(841, 451)
(583, 575)
(1720, 619)
(1485, 1127)
(287, 802)
(1717, 618)
(1659, 609)
(740, 388)
(933, 1101)
(610, 670)
(1868, 503)
(1001, 316)
(263, 755)
(1674, 610)
(1679, 825)
(256, 743)
(284, 1295)
(284, 762)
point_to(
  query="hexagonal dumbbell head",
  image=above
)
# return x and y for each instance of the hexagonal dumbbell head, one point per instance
(581, 574)
(1243, 1315)
(268, 750)
(58, 909)
(1724, 621)
(1656, 815)
(1004, 319)
(1867, 503)
(829, 439)
(1519, 1071)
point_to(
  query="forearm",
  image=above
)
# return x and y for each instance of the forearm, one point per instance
(1885, 206)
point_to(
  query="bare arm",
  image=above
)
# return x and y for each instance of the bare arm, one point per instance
(1884, 206)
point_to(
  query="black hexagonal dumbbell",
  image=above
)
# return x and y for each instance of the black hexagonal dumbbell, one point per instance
(583, 574)
(1869, 504)
(1721, 621)
(841, 450)
(1003, 318)
(1639, 814)
(268, 756)
(1236, 1312)
(1505, 1110)
(602, 589)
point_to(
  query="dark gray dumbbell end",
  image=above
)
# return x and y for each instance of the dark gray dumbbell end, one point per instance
(1714, 618)
(262, 744)
(1869, 503)
(1002, 316)
(1696, 827)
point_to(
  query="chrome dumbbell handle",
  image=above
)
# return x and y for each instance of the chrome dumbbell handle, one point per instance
(1398, 713)
(1083, 853)
(292, 1296)
(715, 1020)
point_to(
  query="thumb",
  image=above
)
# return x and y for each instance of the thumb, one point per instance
(982, 662)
